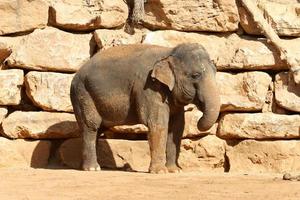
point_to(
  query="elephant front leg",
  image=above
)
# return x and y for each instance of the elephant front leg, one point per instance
(157, 139)
(176, 127)
(157, 120)
(155, 114)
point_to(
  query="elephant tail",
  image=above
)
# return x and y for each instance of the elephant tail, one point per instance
(83, 105)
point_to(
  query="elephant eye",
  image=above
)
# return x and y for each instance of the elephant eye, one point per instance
(196, 75)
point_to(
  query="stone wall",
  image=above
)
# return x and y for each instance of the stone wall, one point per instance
(43, 43)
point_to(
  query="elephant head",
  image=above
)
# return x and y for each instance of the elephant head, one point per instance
(191, 77)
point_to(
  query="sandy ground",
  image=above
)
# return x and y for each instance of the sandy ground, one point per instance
(114, 185)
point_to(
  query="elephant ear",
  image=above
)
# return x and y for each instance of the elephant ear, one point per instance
(162, 71)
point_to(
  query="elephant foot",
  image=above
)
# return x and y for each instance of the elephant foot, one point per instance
(158, 169)
(174, 169)
(91, 167)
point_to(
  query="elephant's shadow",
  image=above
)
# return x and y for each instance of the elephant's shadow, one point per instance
(70, 154)
(67, 153)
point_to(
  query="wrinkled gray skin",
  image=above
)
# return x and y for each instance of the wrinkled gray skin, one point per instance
(149, 85)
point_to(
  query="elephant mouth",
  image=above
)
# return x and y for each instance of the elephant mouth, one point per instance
(198, 103)
(183, 96)
(184, 101)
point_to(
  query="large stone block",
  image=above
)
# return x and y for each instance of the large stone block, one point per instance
(282, 15)
(49, 90)
(206, 153)
(22, 15)
(243, 91)
(259, 126)
(250, 156)
(40, 125)
(106, 38)
(287, 92)
(11, 82)
(23, 154)
(192, 15)
(51, 49)
(230, 51)
(78, 15)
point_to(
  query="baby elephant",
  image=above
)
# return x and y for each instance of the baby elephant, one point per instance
(144, 84)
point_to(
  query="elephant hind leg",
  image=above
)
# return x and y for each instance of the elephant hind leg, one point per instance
(89, 121)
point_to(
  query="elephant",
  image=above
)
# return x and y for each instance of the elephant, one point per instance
(144, 84)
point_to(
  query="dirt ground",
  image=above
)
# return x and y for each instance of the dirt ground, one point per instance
(117, 185)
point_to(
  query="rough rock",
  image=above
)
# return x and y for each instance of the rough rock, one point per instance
(250, 156)
(49, 90)
(271, 105)
(11, 42)
(137, 128)
(22, 15)
(193, 15)
(40, 125)
(284, 1)
(243, 91)
(5, 51)
(23, 154)
(51, 49)
(247, 53)
(7, 44)
(207, 154)
(287, 92)
(259, 126)
(11, 82)
(283, 16)
(78, 15)
(25, 104)
(106, 38)
(3, 113)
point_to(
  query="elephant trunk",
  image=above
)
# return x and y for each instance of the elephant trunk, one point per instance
(208, 99)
